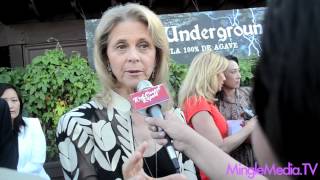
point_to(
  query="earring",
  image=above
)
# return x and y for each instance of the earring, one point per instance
(153, 76)
(109, 68)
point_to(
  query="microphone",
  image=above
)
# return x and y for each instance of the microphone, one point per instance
(149, 98)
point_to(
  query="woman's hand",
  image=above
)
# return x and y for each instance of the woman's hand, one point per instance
(133, 168)
(172, 126)
(251, 125)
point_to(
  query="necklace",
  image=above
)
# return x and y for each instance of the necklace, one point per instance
(145, 161)
(133, 116)
(232, 106)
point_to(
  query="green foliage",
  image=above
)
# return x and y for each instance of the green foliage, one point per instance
(247, 67)
(52, 85)
(177, 75)
(12, 76)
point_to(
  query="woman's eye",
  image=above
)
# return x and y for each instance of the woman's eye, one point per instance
(234, 72)
(121, 46)
(143, 45)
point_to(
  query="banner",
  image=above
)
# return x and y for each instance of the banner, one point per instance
(236, 32)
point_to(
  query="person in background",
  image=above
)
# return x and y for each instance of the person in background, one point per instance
(197, 98)
(31, 140)
(235, 104)
(285, 97)
(97, 138)
(8, 138)
(234, 101)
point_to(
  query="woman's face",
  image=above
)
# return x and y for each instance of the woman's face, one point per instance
(12, 99)
(233, 76)
(221, 80)
(131, 53)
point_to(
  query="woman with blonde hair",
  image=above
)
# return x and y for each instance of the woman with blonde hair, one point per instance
(98, 137)
(197, 100)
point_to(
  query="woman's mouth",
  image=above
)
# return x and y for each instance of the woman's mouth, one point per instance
(134, 72)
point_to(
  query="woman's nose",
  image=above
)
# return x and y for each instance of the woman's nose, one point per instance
(133, 55)
(10, 105)
(239, 75)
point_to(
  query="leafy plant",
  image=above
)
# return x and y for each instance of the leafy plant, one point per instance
(247, 67)
(51, 85)
(177, 75)
(12, 76)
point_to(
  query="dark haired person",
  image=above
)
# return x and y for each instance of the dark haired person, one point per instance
(8, 139)
(286, 99)
(234, 101)
(31, 140)
(234, 104)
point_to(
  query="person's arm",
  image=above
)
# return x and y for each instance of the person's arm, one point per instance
(38, 151)
(203, 123)
(212, 160)
(208, 157)
(74, 160)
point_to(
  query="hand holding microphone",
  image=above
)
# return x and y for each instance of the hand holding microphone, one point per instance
(149, 98)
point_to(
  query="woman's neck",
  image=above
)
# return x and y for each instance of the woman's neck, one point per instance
(141, 133)
(124, 92)
(229, 94)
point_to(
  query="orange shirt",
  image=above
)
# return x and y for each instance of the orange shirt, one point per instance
(193, 105)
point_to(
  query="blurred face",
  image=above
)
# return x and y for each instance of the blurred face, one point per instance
(221, 80)
(232, 76)
(12, 99)
(131, 53)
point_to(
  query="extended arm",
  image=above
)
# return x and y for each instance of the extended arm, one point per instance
(208, 157)
(203, 123)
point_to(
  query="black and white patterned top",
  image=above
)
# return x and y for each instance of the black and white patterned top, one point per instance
(94, 141)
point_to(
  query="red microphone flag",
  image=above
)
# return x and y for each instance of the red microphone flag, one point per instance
(148, 97)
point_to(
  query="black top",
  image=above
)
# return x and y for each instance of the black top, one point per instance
(158, 165)
(94, 141)
(8, 139)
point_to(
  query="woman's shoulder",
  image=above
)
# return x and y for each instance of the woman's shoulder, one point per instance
(31, 121)
(244, 95)
(81, 115)
(33, 126)
(195, 100)
(88, 107)
(245, 90)
(196, 104)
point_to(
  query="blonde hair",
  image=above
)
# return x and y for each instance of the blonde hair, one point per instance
(109, 20)
(202, 76)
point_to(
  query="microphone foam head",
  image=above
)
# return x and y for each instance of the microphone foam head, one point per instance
(143, 84)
